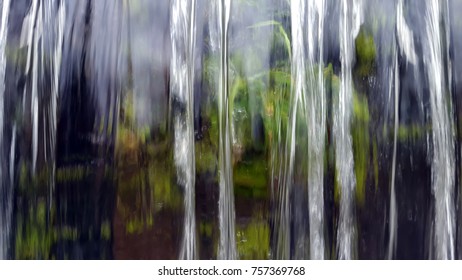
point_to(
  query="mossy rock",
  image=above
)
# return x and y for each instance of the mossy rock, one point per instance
(206, 229)
(142, 192)
(251, 178)
(206, 157)
(365, 53)
(361, 144)
(253, 241)
(407, 133)
(33, 236)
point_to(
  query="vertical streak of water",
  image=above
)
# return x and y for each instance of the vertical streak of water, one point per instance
(349, 28)
(54, 15)
(3, 38)
(298, 87)
(31, 31)
(316, 120)
(442, 133)
(53, 119)
(280, 239)
(35, 91)
(182, 84)
(298, 91)
(227, 245)
(394, 84)
(5, 192)
(404, 35)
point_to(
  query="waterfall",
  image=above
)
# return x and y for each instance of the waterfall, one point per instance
(316, 120)
(443, 160)
(227, 243)
(5, 191)
(182, 86)
(230, 129)
(350, 20)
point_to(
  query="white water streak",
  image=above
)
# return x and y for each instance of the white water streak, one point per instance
(405, 35)
(227, 243)
(58, 23)
(182, 85)
(316, 121)
(30, 34)
(443, 162)
(299, 92)
(5, 192)
(393, 227)
(283, 242)
(350, 21)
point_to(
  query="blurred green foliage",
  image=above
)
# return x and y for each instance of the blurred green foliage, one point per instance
(253, 240)
(365, 53)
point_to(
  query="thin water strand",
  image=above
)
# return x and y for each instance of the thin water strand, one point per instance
(393, 215)
(227, 242)
(5, 190)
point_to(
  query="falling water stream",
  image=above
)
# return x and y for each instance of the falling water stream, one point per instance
(442, 132)
(5, 190)
(227, 247)
(349, 28)
(181, 87)
(262, 129)
(394, 86)
(316, 114)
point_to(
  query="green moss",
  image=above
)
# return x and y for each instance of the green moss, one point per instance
(143, 191)
(33, 237)
(206, 229)
(360, 137)
(67, 233)
(337, 189)
(335, 85)
(407, 133)
(376, 164)
(253, 241)
(137, 225)
(213, 130)
(164, 191)
(24, 179)
(250, 178)
(361, 145)
(275, 106)
(71, 174)
(365, 53)
(328, 76)
(144, 134)
(206, 159)
(105, 230)
(360, 108)
(239, 113)
(412, 132)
